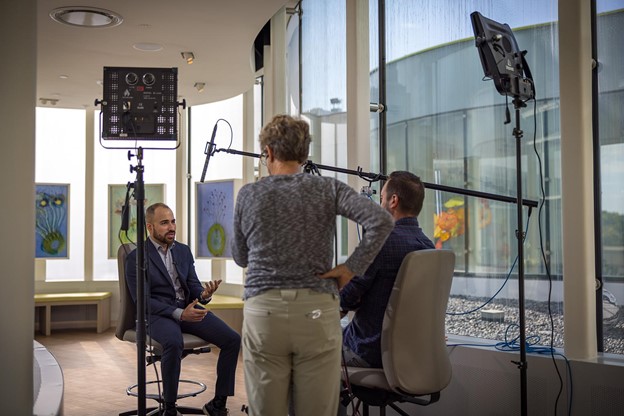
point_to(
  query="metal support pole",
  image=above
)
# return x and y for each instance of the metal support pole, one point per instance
(139, 192)
(522, 364)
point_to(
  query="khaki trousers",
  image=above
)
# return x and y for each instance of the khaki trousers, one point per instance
(292, 333)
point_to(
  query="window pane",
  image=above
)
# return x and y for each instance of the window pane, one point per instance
(324, 67)
(60, 155)
(446, 125)
(112, 167)
(324, 90)
(373, 41)
(222, 166)
(611, 125)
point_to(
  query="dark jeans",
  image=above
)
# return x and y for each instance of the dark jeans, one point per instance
(168, 332)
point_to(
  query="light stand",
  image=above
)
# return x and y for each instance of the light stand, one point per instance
(522, 364)
(505, 64)
(139, 195)
(134, 102)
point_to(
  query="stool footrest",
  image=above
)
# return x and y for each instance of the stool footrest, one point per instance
(201, 387)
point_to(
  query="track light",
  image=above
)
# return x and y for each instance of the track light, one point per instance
(188, 57)
(51, 101)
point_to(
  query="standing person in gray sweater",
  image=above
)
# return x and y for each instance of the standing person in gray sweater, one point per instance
(284, 228)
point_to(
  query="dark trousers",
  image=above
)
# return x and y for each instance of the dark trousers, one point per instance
(168, 332)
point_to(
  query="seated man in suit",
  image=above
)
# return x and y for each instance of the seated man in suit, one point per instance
(402, 196)
(173, 293)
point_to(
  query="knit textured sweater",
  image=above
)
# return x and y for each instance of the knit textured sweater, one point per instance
(285, 226)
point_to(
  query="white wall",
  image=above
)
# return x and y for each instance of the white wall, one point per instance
(17, 167)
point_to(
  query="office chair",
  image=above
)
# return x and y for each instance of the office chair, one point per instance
(416, 366)
(125, 331)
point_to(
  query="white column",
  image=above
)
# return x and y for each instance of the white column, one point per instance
(182, 179)
(248, 135)
(358, 97)
(275, 68)
(17, 165)
(91, 140)
(575, 64)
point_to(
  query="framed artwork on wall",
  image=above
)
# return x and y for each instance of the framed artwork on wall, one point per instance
(116, 198)
(215, 218)
(51, 220)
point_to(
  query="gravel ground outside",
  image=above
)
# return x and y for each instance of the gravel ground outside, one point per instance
(537, 320)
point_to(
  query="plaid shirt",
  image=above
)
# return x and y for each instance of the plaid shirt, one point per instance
(368, 294)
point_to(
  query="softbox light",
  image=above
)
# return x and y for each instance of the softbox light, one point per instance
(140, 104)
(501, 58)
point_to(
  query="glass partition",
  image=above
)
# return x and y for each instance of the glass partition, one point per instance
(228, 116)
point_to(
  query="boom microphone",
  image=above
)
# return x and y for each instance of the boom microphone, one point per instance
(209, 151)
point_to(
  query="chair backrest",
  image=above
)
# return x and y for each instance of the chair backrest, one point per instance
(414, 354)
(127, 309)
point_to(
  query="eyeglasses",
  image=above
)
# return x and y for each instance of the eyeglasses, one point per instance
(263, 158)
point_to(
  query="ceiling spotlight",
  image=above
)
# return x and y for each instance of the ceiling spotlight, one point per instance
(188, 57)
(51, 101)
(199, 86)
(86, 17)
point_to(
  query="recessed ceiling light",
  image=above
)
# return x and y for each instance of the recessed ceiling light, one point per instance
(86, 17)
(147, 47)
(63, 76)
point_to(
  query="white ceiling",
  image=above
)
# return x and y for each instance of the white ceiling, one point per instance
(220, 33)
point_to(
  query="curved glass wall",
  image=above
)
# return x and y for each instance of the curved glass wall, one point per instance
(611, 138)
(447, 125)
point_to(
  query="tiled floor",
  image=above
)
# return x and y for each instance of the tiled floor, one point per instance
(97, 369)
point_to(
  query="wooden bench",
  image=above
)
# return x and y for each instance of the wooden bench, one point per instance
(229, 309)
(225, 302)
(45, 301)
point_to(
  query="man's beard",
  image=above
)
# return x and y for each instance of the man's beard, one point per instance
(162, 238)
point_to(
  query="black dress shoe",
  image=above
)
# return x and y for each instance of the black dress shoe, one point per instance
(173, 411)
(210, 410)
